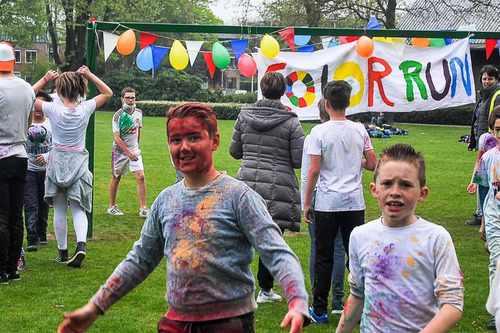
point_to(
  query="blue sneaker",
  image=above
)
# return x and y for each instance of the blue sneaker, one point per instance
(323, 319)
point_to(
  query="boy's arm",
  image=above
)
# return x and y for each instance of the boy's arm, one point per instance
(370, 160)
(265, 236)
(124, 147)
(473, 186)
(444, 319)
(312, 178)
(352, 314)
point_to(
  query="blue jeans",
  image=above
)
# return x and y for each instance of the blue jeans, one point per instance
(338, 272)
(12, 179)
(36, 210)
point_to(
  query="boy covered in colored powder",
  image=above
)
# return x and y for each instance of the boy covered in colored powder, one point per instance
(206, 226)
(405, 275)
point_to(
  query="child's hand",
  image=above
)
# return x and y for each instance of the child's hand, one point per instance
(295, 319)
(309, 215)
(50, 76)
(472, 188)
(84, 71)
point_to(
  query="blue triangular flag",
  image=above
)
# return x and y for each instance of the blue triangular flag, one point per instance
(332, 43)
(373, 23)
(307, 48)
(239, 47)
(158, 54)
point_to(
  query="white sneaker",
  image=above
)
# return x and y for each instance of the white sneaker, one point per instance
(143, 212)
(268, 296)
(114, 210)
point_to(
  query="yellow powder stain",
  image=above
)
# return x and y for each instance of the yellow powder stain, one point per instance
(194, 226)
(448, 243)
(414, 239)
(376, 241)
(405, 273)
(184, 253)
(374, 260)
(410, 261)
(207, 205)
(419, 253)
(399, 239)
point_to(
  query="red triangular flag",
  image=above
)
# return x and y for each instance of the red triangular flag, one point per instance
(490, 46)
(289, 36)
(210, 63)
(147, 39)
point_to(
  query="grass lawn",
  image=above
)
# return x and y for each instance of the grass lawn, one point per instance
(48, 289)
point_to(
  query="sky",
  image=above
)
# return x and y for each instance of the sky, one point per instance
(230, 12)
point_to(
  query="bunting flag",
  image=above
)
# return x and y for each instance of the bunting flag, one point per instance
(193, 47)
(333, 43)
(210, 63)
(373, 23)
(147, 39)
(289, 37)
(325, 41)
(307, 48)
(110, 41)
(239, 47)
(498, 45)
(158, 55)
(490, 46)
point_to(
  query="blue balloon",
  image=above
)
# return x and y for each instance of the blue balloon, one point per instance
(301, 39)
(144, 59)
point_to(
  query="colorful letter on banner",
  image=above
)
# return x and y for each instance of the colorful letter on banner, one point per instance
(396, 78)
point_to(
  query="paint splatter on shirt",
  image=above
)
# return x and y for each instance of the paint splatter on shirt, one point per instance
(208, 235)
(403, 274)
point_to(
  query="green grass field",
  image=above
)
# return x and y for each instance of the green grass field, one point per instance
(48, 289)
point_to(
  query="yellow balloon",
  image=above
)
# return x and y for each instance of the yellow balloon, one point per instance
(269, 46)
(126, 42)
(178, 56)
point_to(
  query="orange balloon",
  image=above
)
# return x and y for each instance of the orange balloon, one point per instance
(364, 47)
(126, 42)
(420, 42)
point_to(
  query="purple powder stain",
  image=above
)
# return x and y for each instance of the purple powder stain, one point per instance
(386, 263)
(490, 142)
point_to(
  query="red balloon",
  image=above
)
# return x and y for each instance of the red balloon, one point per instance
(364, 47)
(247, 65)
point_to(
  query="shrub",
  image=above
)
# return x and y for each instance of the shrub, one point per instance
(226, 111)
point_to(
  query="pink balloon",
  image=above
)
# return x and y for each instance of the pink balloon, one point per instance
(247, 65)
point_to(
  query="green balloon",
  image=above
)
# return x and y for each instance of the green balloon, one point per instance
(437, 42)
(220, 55)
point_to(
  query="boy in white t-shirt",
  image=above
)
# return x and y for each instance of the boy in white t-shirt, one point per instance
(404, 272)
(337, 149)
(127, 124)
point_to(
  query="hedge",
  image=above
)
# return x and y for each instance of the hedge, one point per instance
(460, 115)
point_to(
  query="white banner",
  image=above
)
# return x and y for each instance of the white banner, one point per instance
(395, 78)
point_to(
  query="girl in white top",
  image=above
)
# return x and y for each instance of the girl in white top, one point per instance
(68, 177)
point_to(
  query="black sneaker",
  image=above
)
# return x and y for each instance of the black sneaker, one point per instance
(4, 278)
(15, 276)
(491, 324)
(62, 257)
(32, 246)
(77, 258)
(474, 222)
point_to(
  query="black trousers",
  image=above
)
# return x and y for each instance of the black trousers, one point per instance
(12, 179)
(327, 225)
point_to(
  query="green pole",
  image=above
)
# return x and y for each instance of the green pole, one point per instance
(91, 57)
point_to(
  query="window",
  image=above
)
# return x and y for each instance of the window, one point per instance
(18, 56)
(30, 56)
(18, 74)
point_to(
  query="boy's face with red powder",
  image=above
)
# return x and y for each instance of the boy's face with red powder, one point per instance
(191, 146)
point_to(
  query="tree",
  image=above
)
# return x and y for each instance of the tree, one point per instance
(64, 21)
